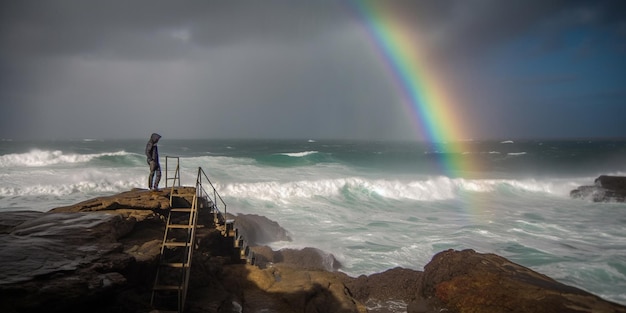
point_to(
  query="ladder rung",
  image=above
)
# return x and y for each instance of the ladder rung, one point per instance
(167, 287)
(185, 210)
(184, 194)
(176, 244)
(179, 226)
(175, 265)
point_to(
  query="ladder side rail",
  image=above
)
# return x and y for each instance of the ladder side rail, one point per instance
(190, 249)
(166, 232)
(175, 178)
(158, 272)
(176, 171)
(167, 158)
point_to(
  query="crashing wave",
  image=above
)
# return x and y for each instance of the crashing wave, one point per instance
(38, 158)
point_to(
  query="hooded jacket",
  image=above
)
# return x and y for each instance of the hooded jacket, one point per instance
(152, 152)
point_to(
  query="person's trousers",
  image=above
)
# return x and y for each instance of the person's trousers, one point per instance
(155, 174)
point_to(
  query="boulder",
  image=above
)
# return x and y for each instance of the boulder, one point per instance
(467, 281)
(380, 292)
(306, 258)
(258, 230)
(286, 289)
(605, 189)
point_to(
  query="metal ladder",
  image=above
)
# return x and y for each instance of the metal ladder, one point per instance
(172, 277)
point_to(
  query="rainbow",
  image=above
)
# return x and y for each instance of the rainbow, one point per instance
(422, 93)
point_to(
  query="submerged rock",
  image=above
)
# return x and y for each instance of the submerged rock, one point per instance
(605, 189)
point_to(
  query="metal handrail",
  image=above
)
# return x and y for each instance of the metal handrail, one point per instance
(220, 215)
(176, 171)
(216, 196)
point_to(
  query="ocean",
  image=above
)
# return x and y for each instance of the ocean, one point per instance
(373, 205)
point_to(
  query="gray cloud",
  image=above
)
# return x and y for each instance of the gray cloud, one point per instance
(275, 68)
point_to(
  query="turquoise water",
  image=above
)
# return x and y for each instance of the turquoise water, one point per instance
(373, 205)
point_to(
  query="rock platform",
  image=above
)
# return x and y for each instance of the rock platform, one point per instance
(100, 256)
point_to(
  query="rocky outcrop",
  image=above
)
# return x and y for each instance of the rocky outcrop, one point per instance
(100, 256)
(467, 281)
(281, 288)
(64, 261)
(605, 189)
(259, 230)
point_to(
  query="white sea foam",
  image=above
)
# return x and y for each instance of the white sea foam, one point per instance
(433, 189)
(299, 154)
(39, 158)
(72, 188)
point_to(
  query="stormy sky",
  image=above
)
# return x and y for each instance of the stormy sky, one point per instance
(305, 69)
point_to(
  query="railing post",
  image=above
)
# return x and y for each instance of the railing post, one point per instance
(166, 171)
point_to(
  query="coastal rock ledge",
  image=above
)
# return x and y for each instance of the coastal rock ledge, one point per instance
(605, 189)
(100, 256)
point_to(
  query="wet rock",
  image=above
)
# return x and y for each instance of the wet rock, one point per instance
(137, 203)
(397, 284)
(605, 189)
(62, 260)
(307, 258)
(467, 281)
(258, 230)
(100, 256)
(289, 289)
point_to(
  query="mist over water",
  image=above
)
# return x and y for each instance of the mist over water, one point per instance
(375, 205)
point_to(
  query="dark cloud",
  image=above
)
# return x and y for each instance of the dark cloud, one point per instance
(279, 68)
(144, 29)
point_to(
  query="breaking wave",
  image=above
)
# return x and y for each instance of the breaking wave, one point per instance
(69, 188)
(291, 159)
(298, 154)
(40, 158)
(432, 189)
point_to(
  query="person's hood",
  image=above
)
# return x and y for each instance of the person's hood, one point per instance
(155, 137)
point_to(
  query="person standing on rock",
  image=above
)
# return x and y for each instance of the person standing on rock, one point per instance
(152, 152)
